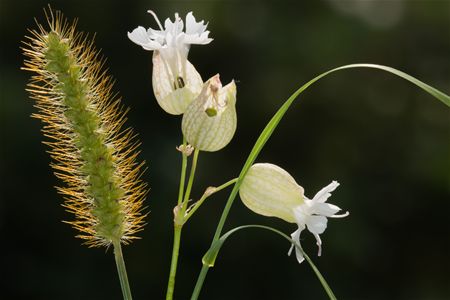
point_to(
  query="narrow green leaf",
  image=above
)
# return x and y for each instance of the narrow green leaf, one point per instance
(273, 123)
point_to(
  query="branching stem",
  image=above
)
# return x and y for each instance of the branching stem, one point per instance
(209, 191)
(179, 212)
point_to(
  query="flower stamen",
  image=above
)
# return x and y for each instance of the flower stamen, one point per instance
(319, 244)
(340, 216)
(156, 19)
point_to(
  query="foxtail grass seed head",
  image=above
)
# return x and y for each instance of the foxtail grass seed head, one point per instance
(271, 191)
(92, 154)
(210, 121)
(176, 83)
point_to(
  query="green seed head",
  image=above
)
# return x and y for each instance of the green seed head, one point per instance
(91, 152)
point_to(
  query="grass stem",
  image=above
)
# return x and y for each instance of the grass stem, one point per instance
(122, 271)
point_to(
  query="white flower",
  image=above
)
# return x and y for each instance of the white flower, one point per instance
(171, 41)
(271, 191)
(172, 72)
(312, 214)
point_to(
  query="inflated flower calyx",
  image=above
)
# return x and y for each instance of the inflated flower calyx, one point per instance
(271, 191)
(209, 122)
(175, 93)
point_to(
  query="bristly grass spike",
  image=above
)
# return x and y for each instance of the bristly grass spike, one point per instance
(92, 153)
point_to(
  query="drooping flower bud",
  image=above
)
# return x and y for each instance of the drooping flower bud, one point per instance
(209, 122)
(271, 191)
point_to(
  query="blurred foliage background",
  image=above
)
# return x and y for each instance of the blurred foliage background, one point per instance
(386, 141)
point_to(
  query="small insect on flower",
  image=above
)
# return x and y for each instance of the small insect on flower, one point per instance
(176, 82)
(271, 191)
(93, 155)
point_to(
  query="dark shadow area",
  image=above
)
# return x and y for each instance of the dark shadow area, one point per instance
(386, 141)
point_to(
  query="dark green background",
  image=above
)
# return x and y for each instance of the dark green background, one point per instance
(384, 140)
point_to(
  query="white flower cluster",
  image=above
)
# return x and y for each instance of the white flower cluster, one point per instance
(209, 123)
(179, 88)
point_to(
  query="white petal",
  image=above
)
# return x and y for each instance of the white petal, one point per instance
(193, 27)
(195, 31)
(168, 25)
(157, 35)
(139, 36)
(198, 39)
(325, 193)
(316, 224)
(325, 209)
(296, 237)
(301, 215)
(298, 253)
(174, 28)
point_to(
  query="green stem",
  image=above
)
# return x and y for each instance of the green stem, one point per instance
(200, 280)
(178, 221)
(174, 263)
(122, 271)
(191, 179)
(183, 173)
(205, 268)
(209, 191)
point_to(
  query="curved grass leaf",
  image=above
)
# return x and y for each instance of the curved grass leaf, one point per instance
(210, 257)
(272, 125)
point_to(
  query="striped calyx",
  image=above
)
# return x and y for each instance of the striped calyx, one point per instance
(175, 93)
(210, 121)
(270, 191)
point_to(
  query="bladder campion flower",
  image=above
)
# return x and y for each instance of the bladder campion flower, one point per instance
(210, 121)
(271, 191)
(176, 82)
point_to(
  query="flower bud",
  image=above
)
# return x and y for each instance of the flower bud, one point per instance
(174, 92)
(210, 120)
(270, 191)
